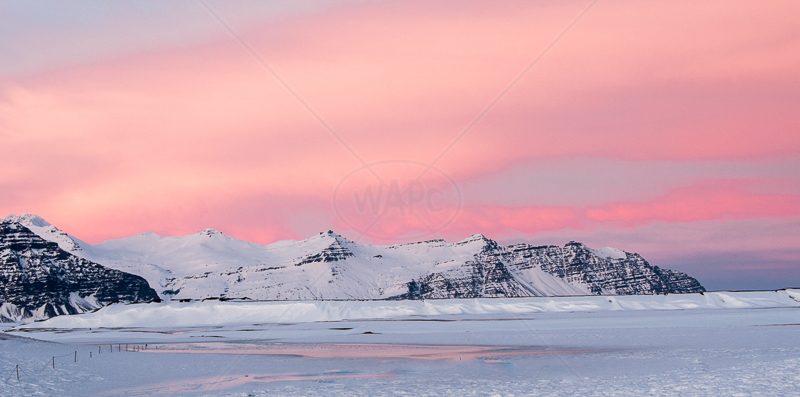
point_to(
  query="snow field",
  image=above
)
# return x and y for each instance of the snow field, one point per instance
(214, 312)
(726, 343)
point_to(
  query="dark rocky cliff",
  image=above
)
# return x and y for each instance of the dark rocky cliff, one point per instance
(39, 280)
(577, 264)
(492, 273)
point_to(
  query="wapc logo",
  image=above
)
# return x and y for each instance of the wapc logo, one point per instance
(397, 199)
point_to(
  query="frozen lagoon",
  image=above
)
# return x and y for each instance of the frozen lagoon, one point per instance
(712, 344)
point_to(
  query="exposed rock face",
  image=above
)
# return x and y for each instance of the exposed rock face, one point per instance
(485, 276)
(577, 264)
(332, 253)
(39, 280)
(501, 271)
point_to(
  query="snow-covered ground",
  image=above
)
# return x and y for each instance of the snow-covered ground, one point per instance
(723, 343)
(217, 313)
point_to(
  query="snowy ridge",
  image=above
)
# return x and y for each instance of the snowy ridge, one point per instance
(609, 253)
(47, 231)
(214, 312)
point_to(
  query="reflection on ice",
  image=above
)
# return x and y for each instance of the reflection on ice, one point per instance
(199, 385)
(364, 350)
(452, 353)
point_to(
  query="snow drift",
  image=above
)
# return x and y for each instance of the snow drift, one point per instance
(214, 312)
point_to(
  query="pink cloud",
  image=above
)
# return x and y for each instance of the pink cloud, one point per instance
(724, 200)
(711, 200)
(175, 140)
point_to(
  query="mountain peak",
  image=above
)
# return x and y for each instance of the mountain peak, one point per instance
(27, 220)
(329, 238)
(605, 252)
(45, 230)
(149, 234)
(210, 232)
(328, 235)
(609, 253)
(475, 237)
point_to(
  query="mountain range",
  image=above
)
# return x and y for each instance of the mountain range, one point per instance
(327, 266)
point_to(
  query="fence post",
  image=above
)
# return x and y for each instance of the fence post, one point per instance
(17, 371)
(76, 356)
(54, 362)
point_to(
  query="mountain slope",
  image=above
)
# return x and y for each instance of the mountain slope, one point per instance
(605, 271)
(39, 280)
(328, 266)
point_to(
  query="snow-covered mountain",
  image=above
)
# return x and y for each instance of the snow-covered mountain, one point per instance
(40, 280)
(328, 266)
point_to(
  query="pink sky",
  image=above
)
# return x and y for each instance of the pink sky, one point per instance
(645, 123)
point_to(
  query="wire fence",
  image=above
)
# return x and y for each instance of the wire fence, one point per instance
(17, 370)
